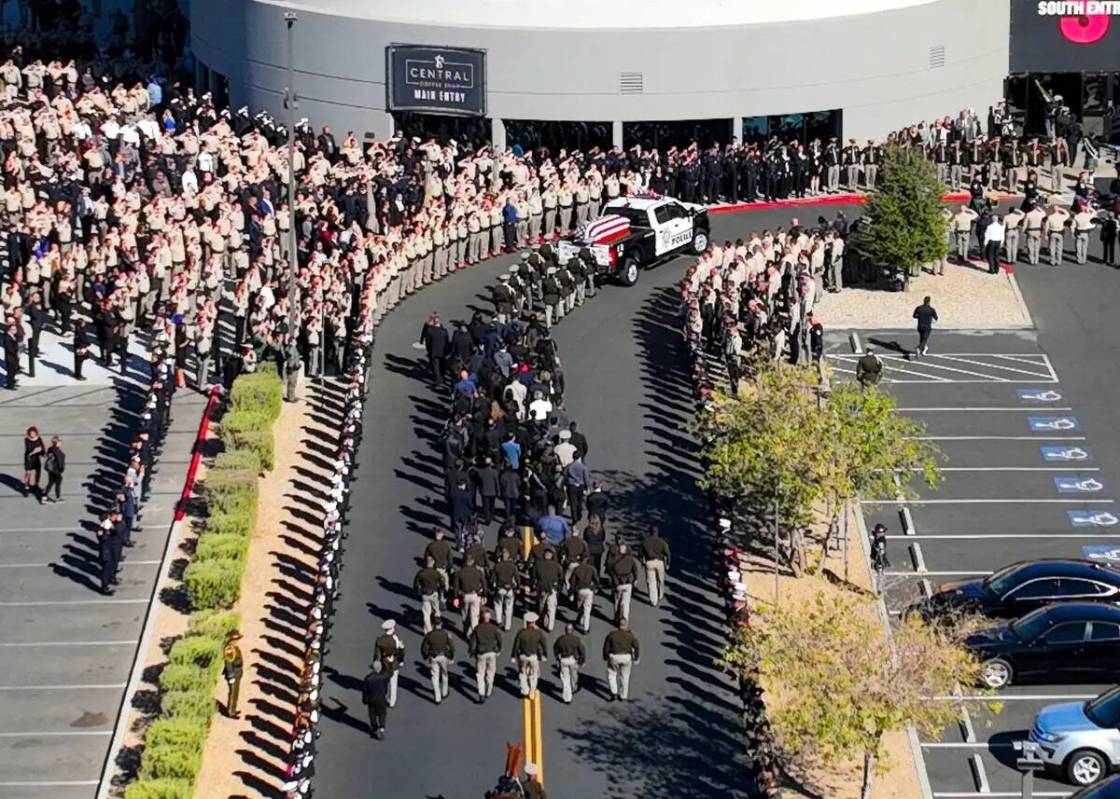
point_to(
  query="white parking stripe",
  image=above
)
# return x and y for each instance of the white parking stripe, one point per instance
(91, 687)
(74, 602)
(56, 734)
(936, 574)
(1014, 469)
(995, 366)
(963, 745)
(1018, 697)
(998, 795)
(48, 565)
(978, 408)
(980, 536)
(48, 784)
(15, 644)
(999, 438)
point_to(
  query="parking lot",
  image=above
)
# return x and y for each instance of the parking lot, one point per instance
(1021, 482)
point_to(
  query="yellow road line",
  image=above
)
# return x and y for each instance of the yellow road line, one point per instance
(531, 706)
(539, 732)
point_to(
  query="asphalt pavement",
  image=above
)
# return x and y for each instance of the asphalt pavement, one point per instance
(1026, 421)
(626, 385)
(66, 651)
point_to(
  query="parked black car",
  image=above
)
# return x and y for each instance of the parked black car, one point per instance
(1022, 587)
(1072, 641)
(1109, 789)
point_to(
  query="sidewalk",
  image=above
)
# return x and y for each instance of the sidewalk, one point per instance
(66, 651)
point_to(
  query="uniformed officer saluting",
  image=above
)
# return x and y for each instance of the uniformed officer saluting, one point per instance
(232, 668)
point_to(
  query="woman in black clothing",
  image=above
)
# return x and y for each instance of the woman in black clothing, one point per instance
(33, 452)
(55, 465)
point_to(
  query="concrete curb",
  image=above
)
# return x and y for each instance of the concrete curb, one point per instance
(1010, 273)
(108, 768)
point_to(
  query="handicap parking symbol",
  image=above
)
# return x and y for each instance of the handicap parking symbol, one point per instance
(1038, 394)
(1078, 485)
(1065, 454)
(1102, 553)
(1092, 518)
(1050, 424)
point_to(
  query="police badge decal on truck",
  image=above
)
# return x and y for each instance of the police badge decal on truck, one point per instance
(636, 232)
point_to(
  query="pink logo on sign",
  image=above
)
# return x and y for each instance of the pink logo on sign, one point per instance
(1084, 28)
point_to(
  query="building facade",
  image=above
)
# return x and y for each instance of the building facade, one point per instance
(654, 71)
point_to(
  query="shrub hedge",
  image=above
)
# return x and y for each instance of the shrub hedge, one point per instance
(260, 391)
(214, 546)
(174, 742)
(215, 583)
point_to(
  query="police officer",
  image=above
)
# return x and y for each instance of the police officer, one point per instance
(879, 560)
(504, 579)
(529, 649)
(428, 583)
(583, 583)
(550, 291)
(502, 296)
(1055, 228)
(623, 571)
(570, 656)
(485, 644)
(869, 369)
(621, 652)
(232, 668)
(439, 550)
(1083, 222)
(656, 554)
(375, 696)
(439, 650)
(1012, 222)
(962, 230)
(389, 649)
(470, 587)
(547, 577)
(1034, 221)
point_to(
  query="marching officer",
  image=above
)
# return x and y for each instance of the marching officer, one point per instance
(485, 644)
(623, 571)
(504, 580)
(655, 553)
(232, 668)
(428, 583)
(529, 649)
(583, 583)
(439, 650)
(470, 587)
(547, 577)
(502, 297)
(570, 656)
(621, 652)
(389, 649)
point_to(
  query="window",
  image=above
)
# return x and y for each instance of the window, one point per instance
(469, 132)
(531, 134)
(663, 213)
(1104, 711)
(1104, 631)
(1085, 588)
(680, 134)
(1037, 589)
(1069, 633)
(755, 130)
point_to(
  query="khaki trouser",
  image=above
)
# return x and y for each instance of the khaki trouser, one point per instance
(472, 606)
(1034, 246)
(1057, 242)
(581, 214)
(853, 176)
(534, 228)
(522, 232)
(528, 673)
(1011, 244)
(477, 243)
(595, 204)
(833, 177)
(441, 261)
(426, 268)
(655, 580)
(485, 666)
(622, 594)
(549, 222)
(393, 686)
(1081, 243)
(618, 674)
(439, 668)
(454, 255)
(409, 277)
(429, 609)
(956, 171)
(565, 219)
(942, 171)
(1056, 177)
(503, 608)
(546, 608)
(569, 677)
(870, 174)
(496, 242)
(585, 602)
(962, 244)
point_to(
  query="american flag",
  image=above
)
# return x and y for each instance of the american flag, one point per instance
(606, 229)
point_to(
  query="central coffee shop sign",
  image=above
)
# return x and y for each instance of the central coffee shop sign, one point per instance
(439, 80)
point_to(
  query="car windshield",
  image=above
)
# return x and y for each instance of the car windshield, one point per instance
(1032, 625)
(1104, 711)
(1002, 581)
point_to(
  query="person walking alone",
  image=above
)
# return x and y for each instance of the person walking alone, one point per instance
(926, 316)
(54, 464)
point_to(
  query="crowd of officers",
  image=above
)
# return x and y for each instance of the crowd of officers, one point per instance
(514, 460)
(754, 298)
(117, 524)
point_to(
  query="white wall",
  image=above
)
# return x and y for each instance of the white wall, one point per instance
(876, 67)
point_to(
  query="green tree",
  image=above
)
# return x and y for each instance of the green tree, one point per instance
(763, 449)
(907, 228)
(873, 684)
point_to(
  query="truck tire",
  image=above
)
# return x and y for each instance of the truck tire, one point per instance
(699, 241)
(628, 271)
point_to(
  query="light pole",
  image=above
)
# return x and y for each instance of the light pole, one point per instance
(290, 19)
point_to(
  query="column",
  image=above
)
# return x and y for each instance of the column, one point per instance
(616, 133)
(737, 128)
